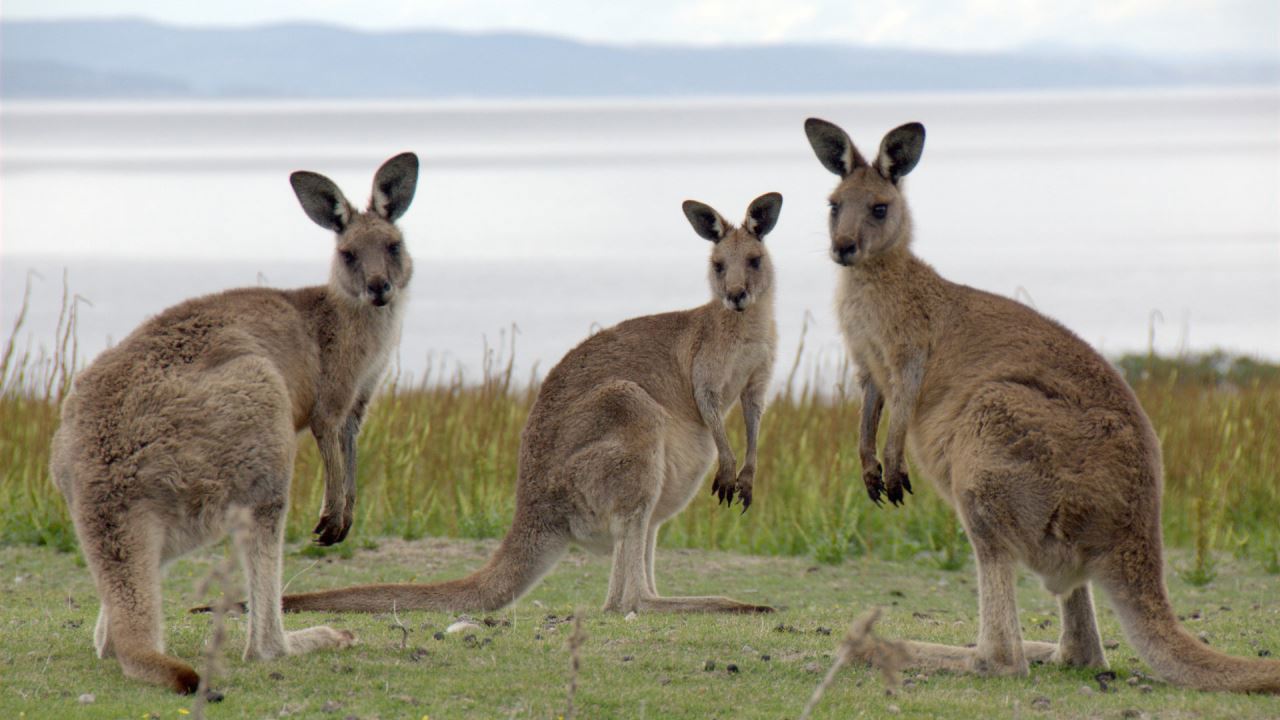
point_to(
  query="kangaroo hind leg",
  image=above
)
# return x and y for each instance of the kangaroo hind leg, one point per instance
(260, 544)
(123, 554)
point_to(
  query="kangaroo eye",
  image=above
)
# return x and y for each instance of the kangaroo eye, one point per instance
(879, 211)
(394, 249)
(754, 263)
(348, 257)
(835, 208)
(718, 267)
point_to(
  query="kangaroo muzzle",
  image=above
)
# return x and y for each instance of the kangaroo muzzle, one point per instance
(379, 291)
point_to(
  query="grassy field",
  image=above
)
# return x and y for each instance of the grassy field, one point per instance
(655, 666)
(437, 460)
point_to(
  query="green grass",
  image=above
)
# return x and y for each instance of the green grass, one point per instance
(438, 458)
(521, 669)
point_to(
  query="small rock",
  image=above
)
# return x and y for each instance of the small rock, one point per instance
(1204, 637)
(331, 706)
(664, 680)
(630, 616)
(461, 626)
(1086, 690)
(708, 666)
(766, 657)
(823, 630)
(1144, 688)
(893, 709)
(351, 717)
(1133, 682)
(87, 698)
(1111, 645)
(812, 667)
(1264, 653)
(627, 658)
(417, 654)
(213, 696)
(438, 635)
(276, 675)
(748, 650)
(1040, 702)
(1130, 713)
(731, 668)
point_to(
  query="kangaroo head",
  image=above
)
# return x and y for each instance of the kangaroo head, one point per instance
(869, 214)
(370, 262)
(740, 269)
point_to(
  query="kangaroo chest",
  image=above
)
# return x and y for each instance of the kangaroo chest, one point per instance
(863, 323)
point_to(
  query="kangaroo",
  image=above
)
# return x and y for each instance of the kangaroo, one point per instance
(621, 434)
(197, 412)
(1029, 434)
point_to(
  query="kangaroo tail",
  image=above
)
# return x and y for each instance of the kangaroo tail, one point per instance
(526, 554)
(1134, 578)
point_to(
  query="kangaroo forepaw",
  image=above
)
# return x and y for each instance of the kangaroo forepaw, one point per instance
(723, 488)
(332, 528)
(873, 479)
(897, 482)
(746, 479)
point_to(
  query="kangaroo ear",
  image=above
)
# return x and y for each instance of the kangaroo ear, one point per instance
(900, 151)
(833, 147)
(763, 214)
(393, 186)
(705, 221)
(323, 202)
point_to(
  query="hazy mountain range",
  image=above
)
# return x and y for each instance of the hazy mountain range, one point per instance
(140, 59)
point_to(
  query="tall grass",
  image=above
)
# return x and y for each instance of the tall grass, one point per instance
(438, 457)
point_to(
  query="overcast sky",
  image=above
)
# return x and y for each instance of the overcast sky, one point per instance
(1169, 28)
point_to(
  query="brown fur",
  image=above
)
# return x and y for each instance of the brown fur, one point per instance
(197, 411)
(1032, 437)
(622, 432)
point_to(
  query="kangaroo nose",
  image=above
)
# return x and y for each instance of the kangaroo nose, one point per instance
(845, 252)
(379, 289)
(739, 299)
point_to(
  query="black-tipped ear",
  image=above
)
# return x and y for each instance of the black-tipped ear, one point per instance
(833, 147)
(900, 151)
(323, 202)
(705, 221)
(393, 186)
(763, 214)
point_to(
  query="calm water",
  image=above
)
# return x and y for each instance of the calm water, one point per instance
(1118, 214)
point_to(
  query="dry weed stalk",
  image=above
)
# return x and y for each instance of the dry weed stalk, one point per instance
(575, 661)
(860, 643)
(222, 578)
